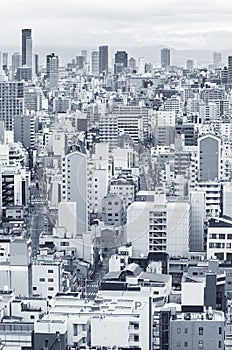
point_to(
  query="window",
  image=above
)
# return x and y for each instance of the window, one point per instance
(185, 344)
(200, 344)
(186, 330)
(178, 330)
(50, 288)
(50, 280)
(220, 330)
(200, 330)
(50, 271)
(75, 330)
(219, 344)
(178, 344)
(34, 288)
(136, 337)
(32, 317)
(42, 279)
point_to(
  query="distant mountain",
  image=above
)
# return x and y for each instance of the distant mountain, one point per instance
(150, 53)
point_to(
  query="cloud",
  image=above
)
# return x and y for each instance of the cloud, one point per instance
(178, 23)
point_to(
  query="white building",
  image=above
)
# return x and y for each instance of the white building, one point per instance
(153, 224)
(75, 186)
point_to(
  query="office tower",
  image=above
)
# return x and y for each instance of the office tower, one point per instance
(52, 70)
(80, 62)
(103, 59)
(121, 61)
(16, 62)
(209, 153)
(217, 59)
(26, 47)
(224, 75)
(95, 63)
(11, 102)
(165, 58)
(33, 98)
(189, 65)
(4, 60)
(36, 64)
(84, 53)
(132, 64)
(141, 65)
(230, 69)
(24, 130)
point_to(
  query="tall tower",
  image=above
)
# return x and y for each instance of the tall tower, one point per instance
(217, 60)
(121, 61)
(95, 63)
(165, 58)
(15, 62)
(230, 69)
(52, 70)
(103, 59)
(26, 47)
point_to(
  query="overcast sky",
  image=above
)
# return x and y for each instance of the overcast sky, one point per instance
(182, 24)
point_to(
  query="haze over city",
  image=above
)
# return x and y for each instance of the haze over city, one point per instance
(64, 24)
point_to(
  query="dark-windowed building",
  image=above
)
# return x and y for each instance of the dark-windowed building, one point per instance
(103, 59)
(121, 61)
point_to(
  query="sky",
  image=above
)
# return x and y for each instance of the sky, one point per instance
(181, 24)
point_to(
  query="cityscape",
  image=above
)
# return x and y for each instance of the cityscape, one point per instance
(116, 189)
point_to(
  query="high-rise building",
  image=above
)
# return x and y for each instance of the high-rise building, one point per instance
(52, 70)
(11, 102)
(95, 63)
(230, 69)
(26, 47)
(36, 64)
(217, 60)
(75, 185)
(189, 65)
(209, 150)
(24, 130)
(16, 62)
(132, 64)
(84, 53)
(165, 58)
(103, 59)
(80, 62)
(4, 60)
(121, 61)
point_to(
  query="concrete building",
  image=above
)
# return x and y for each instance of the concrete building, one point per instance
(15, 63)
(11, 102)
(26, 47)
(95, 63)
(52, 71)
(112, 210)
(33, 98)
(24, 130)
(209, 153)
(46, 278)
(103, 59)
(165, 58)
(198, 218)
(219, 238)
(15, 265)
(155, 225)
(75, 185)
(98, 176)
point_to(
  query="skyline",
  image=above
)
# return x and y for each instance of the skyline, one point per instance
(171, 23)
